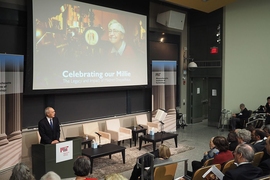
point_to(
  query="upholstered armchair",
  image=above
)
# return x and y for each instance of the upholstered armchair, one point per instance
(117, 132)
(143, 121)
(90, 130)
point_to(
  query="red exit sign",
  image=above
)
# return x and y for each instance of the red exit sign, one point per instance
(213, 50)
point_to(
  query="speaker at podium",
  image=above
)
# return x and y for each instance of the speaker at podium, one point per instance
(55, 157)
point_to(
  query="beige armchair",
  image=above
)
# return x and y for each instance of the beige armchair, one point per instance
(90, 129)
(143, 121)
(117, 132)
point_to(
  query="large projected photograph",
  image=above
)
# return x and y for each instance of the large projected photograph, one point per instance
(80, 45)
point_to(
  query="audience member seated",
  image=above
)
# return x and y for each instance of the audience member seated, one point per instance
(115, 176)
(207, 155)
(267, 111)
(224, 154)
(266, 129)
(232, 140)
(243, 136)
(243, 156)
(240, 118)
(21, 172)
(50, 176)
(258, 136)
(265, 164)
(162, 154)
(81, 168)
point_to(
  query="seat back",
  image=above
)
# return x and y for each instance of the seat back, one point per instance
(38, 137)
(228, 165)
(257, 158)
(113, 124)
(90, 128)
(141, 119)
(208, 162)
(165, 172)
(200, 172)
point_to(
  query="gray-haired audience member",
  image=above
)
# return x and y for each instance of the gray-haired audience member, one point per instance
(243, 136)
(243, 156)
(81, 166)
(21, 172)
(50, 176)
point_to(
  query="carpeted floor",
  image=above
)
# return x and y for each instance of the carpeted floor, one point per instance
(104, 165)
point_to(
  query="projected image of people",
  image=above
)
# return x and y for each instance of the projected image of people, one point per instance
(89, 46)
(119, 46)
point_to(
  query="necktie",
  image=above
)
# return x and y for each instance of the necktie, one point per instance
(51, 123)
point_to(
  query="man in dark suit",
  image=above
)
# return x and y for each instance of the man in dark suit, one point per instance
(258, 136)
(239, 118)
(49, 128)
(243, 155)
(265, 165)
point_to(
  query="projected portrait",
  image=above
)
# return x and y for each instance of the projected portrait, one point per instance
(117, 39)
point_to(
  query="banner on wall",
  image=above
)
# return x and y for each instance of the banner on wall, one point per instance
(11, 74)
(164, 78)
(163, 73)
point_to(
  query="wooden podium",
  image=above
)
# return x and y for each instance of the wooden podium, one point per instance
(44, 159)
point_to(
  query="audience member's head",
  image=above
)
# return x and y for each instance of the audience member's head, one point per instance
(243, 136)
(257, 134)
(221, 143)
(242, 106)
(243, 153)
(164, 151)
(50, 176)
(250, 128)
(115, 176)
(266, 129)
(81, 166)
(21, 172)
(232, 136)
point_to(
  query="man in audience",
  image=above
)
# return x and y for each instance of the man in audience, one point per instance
(243, 156)
(243, 136)
(49, 128)
(267, 111)
(258, 136)
(265, 164)
(266, 129)
(239, 118)
(50, 176)
(21, 172)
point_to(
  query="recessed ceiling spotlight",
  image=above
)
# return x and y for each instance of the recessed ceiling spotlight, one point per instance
(204, 0)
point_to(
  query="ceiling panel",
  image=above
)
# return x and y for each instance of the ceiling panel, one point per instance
(201, 5)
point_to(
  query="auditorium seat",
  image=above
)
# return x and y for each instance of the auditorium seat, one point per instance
(143, 121)
(117, 132)
(92, 131)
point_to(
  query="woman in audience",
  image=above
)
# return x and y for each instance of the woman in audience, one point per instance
(207, 155)
(81, 168)
(162, 154)
(115, 176)
(232, 140)
(21, 172)
(224, 154)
